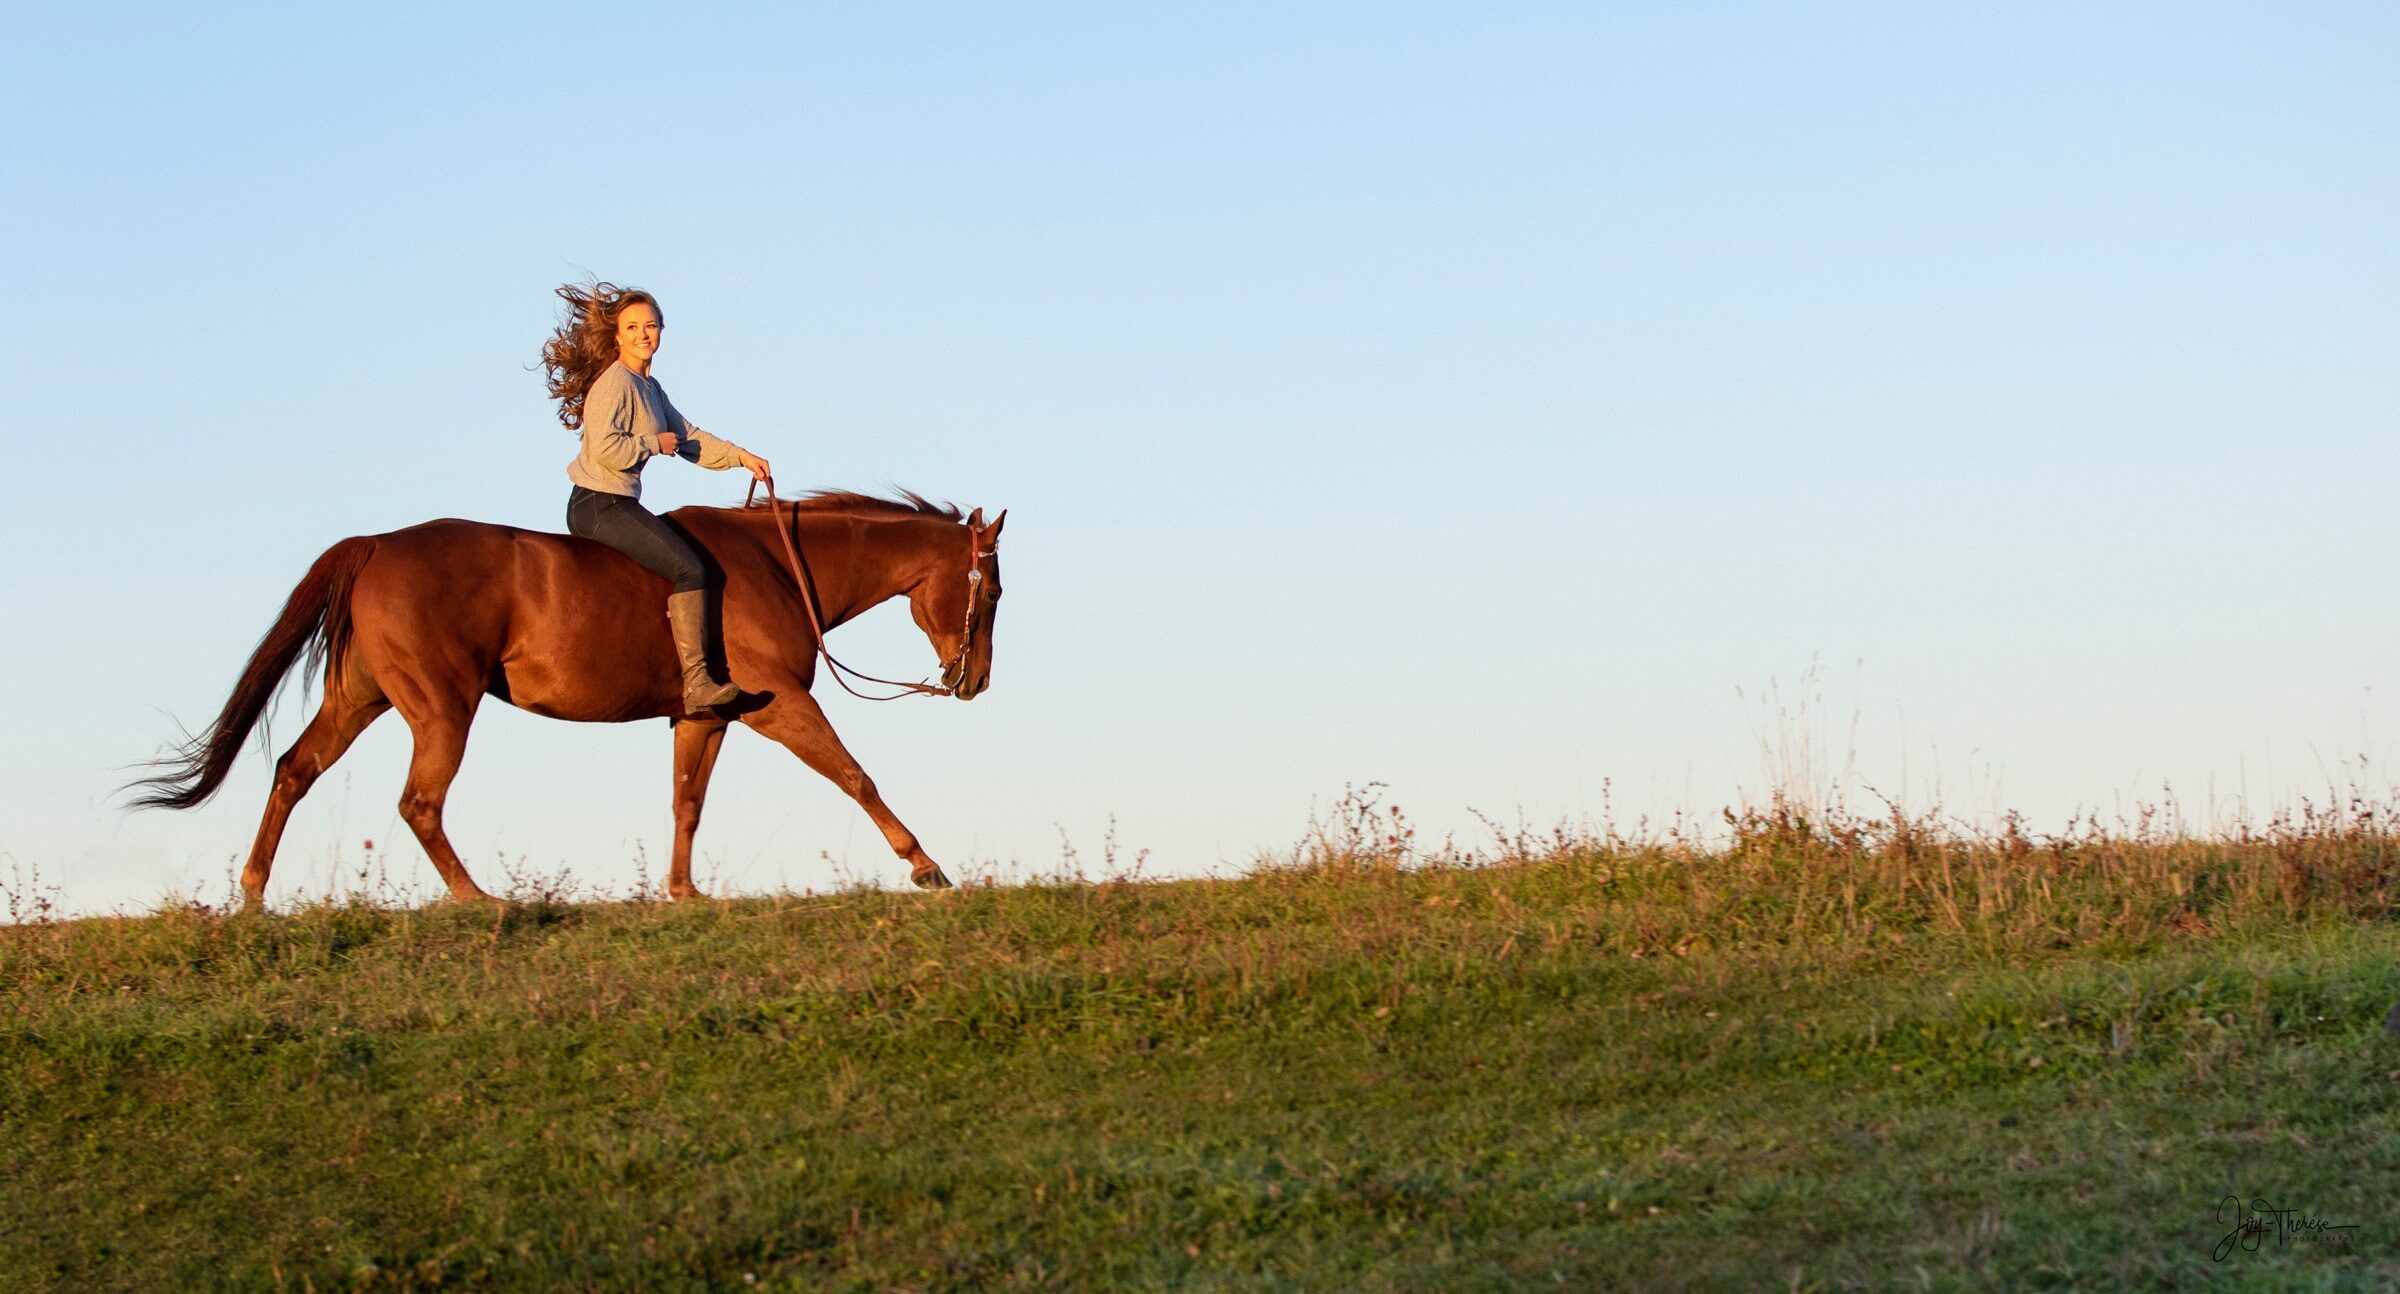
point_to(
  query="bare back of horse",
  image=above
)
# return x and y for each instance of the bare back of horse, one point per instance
(431, 619)
(569, 628)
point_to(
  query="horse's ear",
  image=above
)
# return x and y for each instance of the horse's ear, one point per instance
(975, 519)
(997, 522)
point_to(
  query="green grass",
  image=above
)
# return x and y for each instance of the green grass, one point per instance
(1826, 1056)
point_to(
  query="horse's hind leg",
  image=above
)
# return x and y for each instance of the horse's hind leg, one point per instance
(441, 733)
(696, 746)
(339, 721)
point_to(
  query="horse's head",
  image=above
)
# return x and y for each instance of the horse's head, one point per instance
(957, 604)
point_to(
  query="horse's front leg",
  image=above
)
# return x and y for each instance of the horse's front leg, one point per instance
(796, 721)
(696, 744)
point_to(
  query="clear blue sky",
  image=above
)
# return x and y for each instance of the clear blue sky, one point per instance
(1470, 398)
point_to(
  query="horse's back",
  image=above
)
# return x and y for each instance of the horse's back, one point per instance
(552, 623)
(458, 539)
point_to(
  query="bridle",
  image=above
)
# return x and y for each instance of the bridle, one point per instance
(953, 669)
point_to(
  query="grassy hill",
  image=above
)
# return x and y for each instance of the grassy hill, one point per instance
(1825, 1056)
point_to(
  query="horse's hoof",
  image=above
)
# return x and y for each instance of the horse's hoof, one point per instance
(930, 877)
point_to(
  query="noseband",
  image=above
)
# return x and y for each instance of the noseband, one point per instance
(953, 669)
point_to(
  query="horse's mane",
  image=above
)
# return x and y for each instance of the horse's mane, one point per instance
(909, 504)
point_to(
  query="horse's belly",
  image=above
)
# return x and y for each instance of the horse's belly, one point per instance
(580, 709)
(588, 681)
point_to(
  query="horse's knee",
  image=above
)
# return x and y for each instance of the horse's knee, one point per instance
(422, 813)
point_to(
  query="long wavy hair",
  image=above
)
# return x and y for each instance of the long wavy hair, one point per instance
(586, 342)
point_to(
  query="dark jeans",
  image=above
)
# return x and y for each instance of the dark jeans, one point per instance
(625, 525)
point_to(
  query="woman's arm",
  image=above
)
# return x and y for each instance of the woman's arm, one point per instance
(608, 415)
(712, 452)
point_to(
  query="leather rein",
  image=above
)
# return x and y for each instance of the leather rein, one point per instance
(816, 621)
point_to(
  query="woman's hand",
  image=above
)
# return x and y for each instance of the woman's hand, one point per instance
(667, 442)
(757, 466)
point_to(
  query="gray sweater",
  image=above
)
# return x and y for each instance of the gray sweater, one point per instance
(623, 414)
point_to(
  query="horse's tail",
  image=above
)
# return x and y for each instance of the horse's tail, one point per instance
(316, 624)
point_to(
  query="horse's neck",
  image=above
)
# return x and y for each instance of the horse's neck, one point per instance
(858, 565)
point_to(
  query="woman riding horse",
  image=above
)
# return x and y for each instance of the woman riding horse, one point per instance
(432, 619)
(598, 367)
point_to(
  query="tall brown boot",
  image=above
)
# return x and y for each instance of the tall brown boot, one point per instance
(687, 617)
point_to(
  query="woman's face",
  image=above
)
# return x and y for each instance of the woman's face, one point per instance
(638, 334)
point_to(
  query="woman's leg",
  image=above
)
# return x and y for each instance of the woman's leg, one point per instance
(625, 525)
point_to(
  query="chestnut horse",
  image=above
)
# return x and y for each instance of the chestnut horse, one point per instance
(430, 620)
